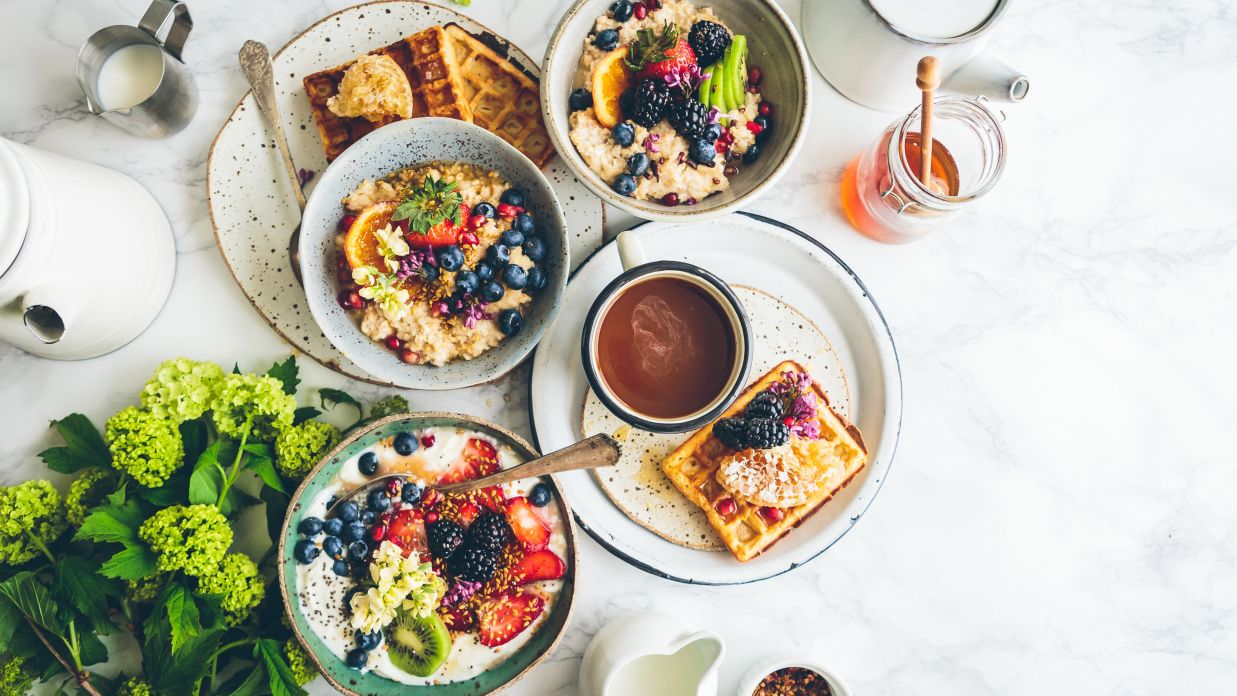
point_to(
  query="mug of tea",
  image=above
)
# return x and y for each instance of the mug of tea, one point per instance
(666, 345)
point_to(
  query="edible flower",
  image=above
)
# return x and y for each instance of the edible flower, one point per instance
(799, 403)
(686, 78)
(400, 582)
(392, 245)
(383, 289)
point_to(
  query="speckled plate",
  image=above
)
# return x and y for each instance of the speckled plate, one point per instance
(251, 204)
(636, 484)
(354, 683)
(783, 262)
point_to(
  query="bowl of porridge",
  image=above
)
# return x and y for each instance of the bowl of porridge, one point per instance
(676, 109)
(434, 254)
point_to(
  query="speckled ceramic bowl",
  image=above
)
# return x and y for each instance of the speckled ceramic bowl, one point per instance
(773, 45)
(407, 143)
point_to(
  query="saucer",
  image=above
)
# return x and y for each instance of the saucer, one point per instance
(782, 262)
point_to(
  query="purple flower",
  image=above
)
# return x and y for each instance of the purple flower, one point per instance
(686, 79)
(474, 311)
(799, 403)
(713, 112)
(305, 176)
(412, 264)
(650, 142)
(460, 592)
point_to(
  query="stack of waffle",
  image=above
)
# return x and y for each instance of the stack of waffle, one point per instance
(452, 74)
(747, 530)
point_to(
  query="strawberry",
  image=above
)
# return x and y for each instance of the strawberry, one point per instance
(657, 55)
(538, 565)
(505, 616)
(526, 524)
(459, 619)
(407, 530)
(444, 233)
(467, 514)
(479, 459)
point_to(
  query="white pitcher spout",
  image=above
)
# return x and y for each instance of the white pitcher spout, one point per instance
(48, 312)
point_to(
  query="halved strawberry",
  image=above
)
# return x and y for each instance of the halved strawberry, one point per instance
(407, 530)
(526, 524)
(479, 459)
(505, 616)
(444, 233)
(538, 565)
(468, 512)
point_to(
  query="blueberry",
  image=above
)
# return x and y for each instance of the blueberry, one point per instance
(430, 273)
(450, 258)
(515, 277)
(580, 99)
(766, 126)
(702, 152)
(333, 526)
(368, 517)
(411, 494)
(523, 223)
(368, 463)
(534, 249)
(491, 291)
(467, 281)
(348, 511)
(624, 184)
(484, 271)
(510, 322)
(305, 551)
(356, 659)
(333, 547)
(624, 134)
(752, 154)
(536, 280)
(498, 256)
(404, 443)
(368, 641)
(486, 209)
(638, 164)
(621, 11)
(359, 569)
(353, 532)
(512, 196)
(539, 495)
(310, 526)
(378, 500)
(357, 550)
(340, 568)
(607, 39)
(512, 237)
(712, 132)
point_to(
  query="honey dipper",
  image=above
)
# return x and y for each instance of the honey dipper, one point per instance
(927, 79)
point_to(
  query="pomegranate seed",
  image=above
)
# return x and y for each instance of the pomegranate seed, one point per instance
(670, 199)
(394, 486)
(378, 533)
(754, 76)
(690, 201)
(506, 210)
(722, 146)
(772, 514)
(477, 220)
(641, 11)
(788, 421)
(469, 239)
(427, 440)
(344, 276)
(431, 517)
(409, 356)
(351, 299)
(346, 221)
(765, 108)
(430, 496)
(393, 342)
(754, 127)
(652, 4)
(726, 507)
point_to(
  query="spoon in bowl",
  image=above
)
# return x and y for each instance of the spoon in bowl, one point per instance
(256, 64)
(591, 453)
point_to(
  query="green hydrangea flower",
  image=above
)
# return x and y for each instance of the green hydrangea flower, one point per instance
(182, 389)
(86, 492)
(15, 679)
(135, 686)
(143, 590)
(145, 446)
(299, 447)
(388, 407)
(303, 670)
(256, 397)
(192, 538)
(236, 579)
(31, 518)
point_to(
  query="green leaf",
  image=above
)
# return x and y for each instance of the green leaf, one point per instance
(34, 601)
(133, 563)
(194, 435)
(10, 620)
(248, 681)
(236, 368)
(276, 511)
(305, 413)
(84, 446)
(265, 469)
(287, 373)
(77, 584)
(115, 523)
(174, 491)
(333, 397)
(179, 672)
(62, 459)
(278, 673)
(237, 500)
(91, 650)
(207, 478)
(184, 621)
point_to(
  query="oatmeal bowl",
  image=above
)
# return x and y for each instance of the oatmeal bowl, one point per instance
(676, 109)
(434, 254)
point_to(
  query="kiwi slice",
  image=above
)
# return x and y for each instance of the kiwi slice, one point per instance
(418, 646)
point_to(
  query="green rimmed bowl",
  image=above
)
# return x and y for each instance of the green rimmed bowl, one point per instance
(350, 681)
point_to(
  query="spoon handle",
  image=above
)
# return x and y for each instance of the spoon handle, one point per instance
(256, 64)
(596, 451)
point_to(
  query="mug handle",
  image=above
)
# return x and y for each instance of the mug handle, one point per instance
(157, 15)
(631, 251)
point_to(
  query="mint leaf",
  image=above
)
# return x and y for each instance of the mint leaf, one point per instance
(278, 673)
(207, 478)
(287, 373)
(183, 618)
(133, 563)
(84, 446)
(77, 584)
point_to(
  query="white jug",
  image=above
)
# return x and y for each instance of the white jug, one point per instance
(86, 255)
(651, 653)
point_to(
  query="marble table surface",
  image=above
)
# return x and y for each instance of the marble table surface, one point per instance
(1060, 517)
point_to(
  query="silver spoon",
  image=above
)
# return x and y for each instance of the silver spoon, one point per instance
(256, 64)
(591, 453)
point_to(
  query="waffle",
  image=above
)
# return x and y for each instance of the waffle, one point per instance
(502, 98)
(429, 61)
(692, 468)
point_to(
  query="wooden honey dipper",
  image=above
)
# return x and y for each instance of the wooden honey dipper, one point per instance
(927, 79)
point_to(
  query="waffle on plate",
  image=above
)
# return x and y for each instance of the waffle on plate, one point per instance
(747, 531)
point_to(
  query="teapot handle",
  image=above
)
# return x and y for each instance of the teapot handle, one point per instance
(157, 15)
(988, 76)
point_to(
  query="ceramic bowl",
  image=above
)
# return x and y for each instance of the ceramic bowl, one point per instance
(772, 663)
(406, 143)
(773, 45)
(354, 683)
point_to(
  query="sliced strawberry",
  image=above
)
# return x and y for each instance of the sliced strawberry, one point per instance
(526, 524)
(479, 459)
(538, 565)
(459, 619)
(407, 530)
(494, 498)
(505, 616)
(468, 512)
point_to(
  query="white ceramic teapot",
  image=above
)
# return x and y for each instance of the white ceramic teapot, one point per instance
(651, 653)
(86, 255)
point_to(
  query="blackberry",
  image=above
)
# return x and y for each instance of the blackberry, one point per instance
(473, 563)
(764, 405)
(690, 118)
(444, 538)
(490, 531)
(732, 432)
(649, 102)
(766, 433)
(709, 41)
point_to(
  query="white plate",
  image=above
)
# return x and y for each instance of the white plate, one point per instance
(751, 250)
(251, 203)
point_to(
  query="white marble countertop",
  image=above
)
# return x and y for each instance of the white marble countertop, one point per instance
(1061, 516)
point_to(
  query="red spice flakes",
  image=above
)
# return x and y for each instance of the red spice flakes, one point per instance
(793, 681)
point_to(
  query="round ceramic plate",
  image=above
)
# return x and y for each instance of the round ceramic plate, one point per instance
(350, 681)
(251, 203)
(755, 251)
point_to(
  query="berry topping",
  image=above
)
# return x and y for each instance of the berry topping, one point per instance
(638, 164)
(510, 321)
(649, 102)
(765, 108)
(411, 494)
(444, 538)
(368, 641)
(690, 118)
(357, 658)
(534, 249)
(670, 199)
(709, 40)
(512, 196)
(621, 11)
(732, 433)
(512, 237)
(579, 100)
(526, 524)
(450, 258)
(484, 209)
(378, 500)
(333, 547)
(427, 440)
(310, 526)
(539, 496)
(624, 184)
(492, 291)
(489, 531)
(515, 277)
(305, 551)
(508, 211)
(404, 443)
(498, 256)
(772, 514)
(378, 533)
(473, 563)
(407, 531)
(623, 134)
(460, 619)
(523, 223)
(754, 76)
(765, 433)
(660, 54)
(536, 279)
(538, 565)
(348, 511)
(764, 405)
(506, 616)
(752, 153)
(702, 152)
(607, 39)
(333, 526)
(467, 282)
(351, 299)
(641, 11)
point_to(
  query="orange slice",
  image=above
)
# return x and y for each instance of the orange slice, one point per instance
(610, 79)
(361, 242)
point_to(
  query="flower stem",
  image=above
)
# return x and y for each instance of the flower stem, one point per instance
(236, 463)
(38, 543)
(82, 677)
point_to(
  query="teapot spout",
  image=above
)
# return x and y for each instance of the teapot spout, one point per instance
(48, 312)
(989, 77)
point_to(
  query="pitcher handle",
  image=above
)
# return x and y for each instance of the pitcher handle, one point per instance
(157, 15)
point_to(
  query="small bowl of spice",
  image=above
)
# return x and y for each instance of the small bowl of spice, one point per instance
(786, 675)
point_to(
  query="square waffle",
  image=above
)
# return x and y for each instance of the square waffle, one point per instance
(429, 61)
(502, 98)
(692, 468)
